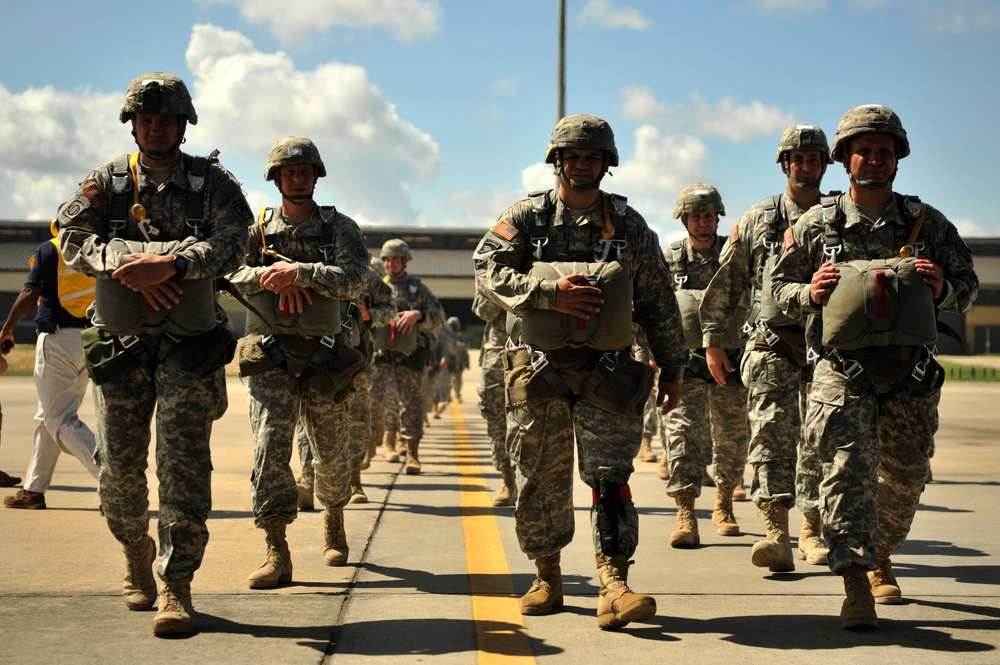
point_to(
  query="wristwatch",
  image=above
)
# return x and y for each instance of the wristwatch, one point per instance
(180, 264)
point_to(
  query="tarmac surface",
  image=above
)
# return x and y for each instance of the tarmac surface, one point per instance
(435, 571)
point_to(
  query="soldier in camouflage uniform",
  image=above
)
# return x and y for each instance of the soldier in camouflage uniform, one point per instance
(710, 418)
(300, 256)
(786, 472)
(376, 309)
(872, 412)
(153, 205)
(417, 309)
(458, 356)
(491, 395)
(579, 222)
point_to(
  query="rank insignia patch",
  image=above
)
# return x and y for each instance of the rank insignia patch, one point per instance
(95, 194)
(505, 230)
(789, 238)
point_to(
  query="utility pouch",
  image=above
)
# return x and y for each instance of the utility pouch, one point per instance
(251, 356)
(202, 354)
(619, 384)
(334, 370)
(529, 378)
(105, 356)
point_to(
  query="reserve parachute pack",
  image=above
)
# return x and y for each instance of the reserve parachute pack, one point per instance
(322, 318)
(608, 330)
(877, 302)
(770, 313)
(121, 311)
(689, 301)
(388, 337)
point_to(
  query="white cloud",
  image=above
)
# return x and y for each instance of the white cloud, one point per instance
(970, 229)
(49, 140)
(786, 6)
(371, 154)
(640, 105)
(958, 16)
(738, 122)
(293, 20)
(506, 86)
(605, 14)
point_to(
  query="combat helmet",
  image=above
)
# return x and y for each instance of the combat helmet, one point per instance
(582, 131)
(158, 93)
(803, 137)
(454, 323)
(293, 150)
(868, 119)
(697, 198)
(396, 247)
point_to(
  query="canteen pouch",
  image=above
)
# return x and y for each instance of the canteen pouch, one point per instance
(334, 370)
(529, 383)
(881, 302)
(251, 357)
(608, 330)
(619, 384)
(105, 356)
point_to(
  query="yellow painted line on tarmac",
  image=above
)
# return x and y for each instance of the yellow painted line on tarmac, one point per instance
(501, 636)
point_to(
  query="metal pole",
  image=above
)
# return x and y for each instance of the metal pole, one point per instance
(561, 74)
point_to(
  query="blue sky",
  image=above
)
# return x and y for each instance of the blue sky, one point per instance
(438, 112)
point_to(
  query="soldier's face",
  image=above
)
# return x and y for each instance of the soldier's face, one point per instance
(702, 225)
(805, 169)
(297, 180)
(582, 168)
(872, 159)
(156, 132)
(395, 266)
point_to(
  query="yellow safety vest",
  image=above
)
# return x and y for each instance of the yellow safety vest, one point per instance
(76, 290)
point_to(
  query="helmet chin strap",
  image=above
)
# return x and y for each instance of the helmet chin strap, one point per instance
(296, 200)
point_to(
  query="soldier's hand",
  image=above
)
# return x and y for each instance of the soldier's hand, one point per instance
(163, 295)
(718, 363)
(667, 394)
(3, 364)
(408, 320)
(823, 281)
(143, 270)
(365, 314)
(933, 275)
(577, 298)
(293, 299)
(278, 276)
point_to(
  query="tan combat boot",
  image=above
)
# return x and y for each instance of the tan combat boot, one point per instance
(686, 534)
(663, 468)
(546, 591)
(723, 517)
(335, 549)
(138, 583)
(370, 452)
(646, 453)
(740, 493)
(885, 589)
(174, 614)
(277, 566)
(507, 496)
(858, 610)
(412, 460)
(306, 485)
(357, 491)
(775, 551)
(388, 448)
(811, 547)
(617, 604)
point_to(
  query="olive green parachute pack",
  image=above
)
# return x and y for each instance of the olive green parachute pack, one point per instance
(689, 301)
(388, 338)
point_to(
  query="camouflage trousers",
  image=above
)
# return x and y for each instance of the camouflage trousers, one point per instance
(278, 404)
(358, 422)
(540, 440)
(185, 407)
(456, 383)
(874, 444)
(785, 469)
(384, 401)
(491, 406)
(650, 417)
(707, 413)
(408, 420)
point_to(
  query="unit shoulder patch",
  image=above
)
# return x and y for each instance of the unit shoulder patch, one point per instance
(505, 230)
(94, 192)
(734, 234)
(789, 238)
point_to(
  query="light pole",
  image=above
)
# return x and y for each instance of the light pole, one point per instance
(561, 74)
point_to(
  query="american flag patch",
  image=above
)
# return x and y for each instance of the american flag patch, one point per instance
(789, 238)
(95, 194)
(734, 234)
(505, 230)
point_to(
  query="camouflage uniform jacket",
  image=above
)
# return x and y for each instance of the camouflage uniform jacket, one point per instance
(741, 266)
(861, 239)
(504, 256)
(495, 331)
(698, 267)
(409, 292)
(85, 221)
(378, 299)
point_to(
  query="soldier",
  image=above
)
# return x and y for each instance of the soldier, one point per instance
(418, 311)
(491, 394)
(63, 296)
(458, 356)
(570, 375)
(156, 228)
(710, 418)
(873, 407)
(304, 262)
(774, 367)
